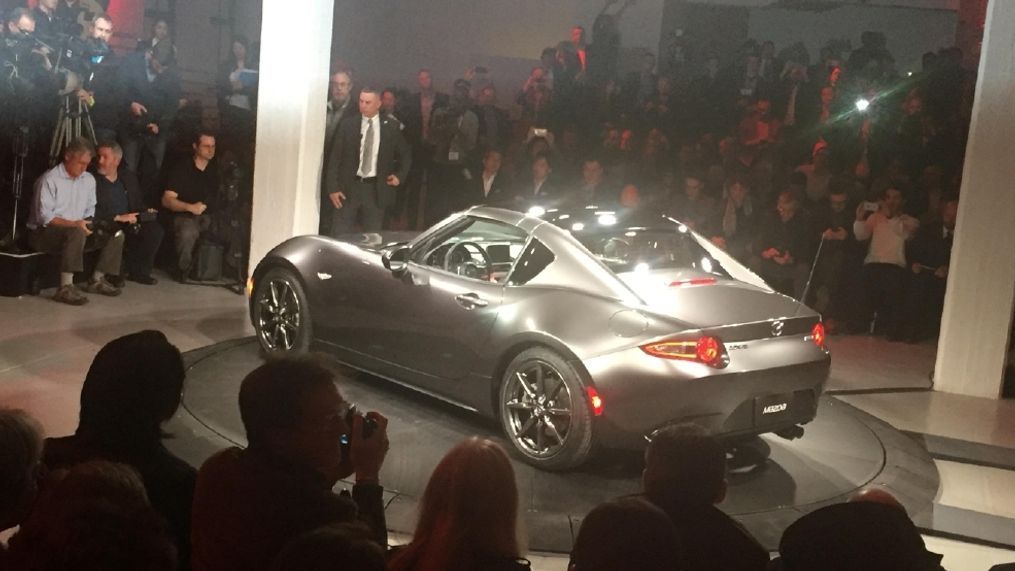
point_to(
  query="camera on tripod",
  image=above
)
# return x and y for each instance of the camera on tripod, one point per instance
(75, 65)
(77, 59)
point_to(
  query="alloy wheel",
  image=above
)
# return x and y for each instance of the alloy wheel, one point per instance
(538, 407)
(278, 316)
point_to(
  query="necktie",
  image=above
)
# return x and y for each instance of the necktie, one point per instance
(368, 149)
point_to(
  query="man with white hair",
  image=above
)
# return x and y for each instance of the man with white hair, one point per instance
(62, 222)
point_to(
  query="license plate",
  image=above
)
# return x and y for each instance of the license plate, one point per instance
(772, 408)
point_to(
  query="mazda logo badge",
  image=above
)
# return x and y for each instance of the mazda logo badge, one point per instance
(777, 327)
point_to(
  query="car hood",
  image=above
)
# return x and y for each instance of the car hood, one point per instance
(706, 301)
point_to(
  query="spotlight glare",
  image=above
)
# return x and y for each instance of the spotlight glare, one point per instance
(607, 219)
(862, 104)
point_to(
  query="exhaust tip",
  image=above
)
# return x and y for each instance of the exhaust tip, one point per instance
(791, 433)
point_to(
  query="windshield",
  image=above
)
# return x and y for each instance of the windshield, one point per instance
(643, 249)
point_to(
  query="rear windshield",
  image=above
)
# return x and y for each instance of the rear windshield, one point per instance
(643, 249)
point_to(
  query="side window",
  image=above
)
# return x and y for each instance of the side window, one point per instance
(533, 260)
(477, 248)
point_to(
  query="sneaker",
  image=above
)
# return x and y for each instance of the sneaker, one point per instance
(116, 281)
(70, 295)
(144, 280)
(102, 287)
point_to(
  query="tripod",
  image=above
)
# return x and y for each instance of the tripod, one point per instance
(19, 149)
(73, 121)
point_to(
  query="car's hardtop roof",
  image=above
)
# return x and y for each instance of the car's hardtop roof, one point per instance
(596, 217)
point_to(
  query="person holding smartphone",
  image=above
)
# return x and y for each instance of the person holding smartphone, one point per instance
(884, 269)
(248, 503)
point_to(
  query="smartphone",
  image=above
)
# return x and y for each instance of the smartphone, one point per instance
(539, 132)
(871, 206)
(146, 216)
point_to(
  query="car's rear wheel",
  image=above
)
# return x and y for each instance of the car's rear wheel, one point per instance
(282, 313)
(544, 412)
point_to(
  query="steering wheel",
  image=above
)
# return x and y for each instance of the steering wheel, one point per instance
(469, 268)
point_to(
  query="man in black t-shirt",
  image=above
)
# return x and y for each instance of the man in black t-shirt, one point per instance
(191, 186)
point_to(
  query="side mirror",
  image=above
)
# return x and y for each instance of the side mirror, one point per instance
(396, 260)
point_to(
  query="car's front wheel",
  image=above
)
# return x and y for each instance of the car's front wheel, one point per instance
(544, 412)
(281, 313)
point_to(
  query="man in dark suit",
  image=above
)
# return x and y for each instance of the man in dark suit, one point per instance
(537, 189)
(418, 109)
(492, 186)
(369, 160)
(340, 105)
(494, 125)
(929, 254)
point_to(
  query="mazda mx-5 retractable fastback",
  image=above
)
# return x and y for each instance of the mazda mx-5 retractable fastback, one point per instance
(576, 329)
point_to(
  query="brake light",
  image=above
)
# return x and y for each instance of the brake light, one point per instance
(706, 349)
(818, 334)
(595, 400)
(693, 282)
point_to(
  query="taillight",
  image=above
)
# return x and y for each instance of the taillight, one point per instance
(595, 400)
(705, 349)
(818, 334)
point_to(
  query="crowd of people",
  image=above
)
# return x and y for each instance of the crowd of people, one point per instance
(113, 156)
(840, 173)
(834, 177)
(112, 496)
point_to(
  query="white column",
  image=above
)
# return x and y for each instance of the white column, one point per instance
(291, 103)
(981, 283)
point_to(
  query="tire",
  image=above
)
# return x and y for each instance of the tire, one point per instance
(554, 433)
(281, 313)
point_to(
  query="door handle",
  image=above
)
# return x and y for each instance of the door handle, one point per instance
(471, 300)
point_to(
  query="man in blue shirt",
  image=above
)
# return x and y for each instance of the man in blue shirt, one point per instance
(60, 222)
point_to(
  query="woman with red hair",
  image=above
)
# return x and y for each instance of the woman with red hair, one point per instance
(468, 515)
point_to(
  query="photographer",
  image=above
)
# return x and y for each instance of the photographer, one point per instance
(119, 202)
(151, 97)
(250, 502)
(24, 67)
(61, 223)
(99, 69)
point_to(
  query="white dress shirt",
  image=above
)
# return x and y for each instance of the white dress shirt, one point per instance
(488, 183)
(888, 237)
(376, 119)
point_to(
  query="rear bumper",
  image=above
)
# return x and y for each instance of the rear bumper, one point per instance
(729, 403)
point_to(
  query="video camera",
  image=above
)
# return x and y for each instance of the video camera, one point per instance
(79, 57)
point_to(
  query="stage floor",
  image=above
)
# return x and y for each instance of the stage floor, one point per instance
(843, 449)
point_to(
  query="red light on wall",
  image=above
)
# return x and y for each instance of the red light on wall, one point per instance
(595, 400)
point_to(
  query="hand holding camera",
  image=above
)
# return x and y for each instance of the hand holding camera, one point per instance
(368, 445)
(85, 225)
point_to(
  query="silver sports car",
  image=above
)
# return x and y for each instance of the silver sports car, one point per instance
(575, 329)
